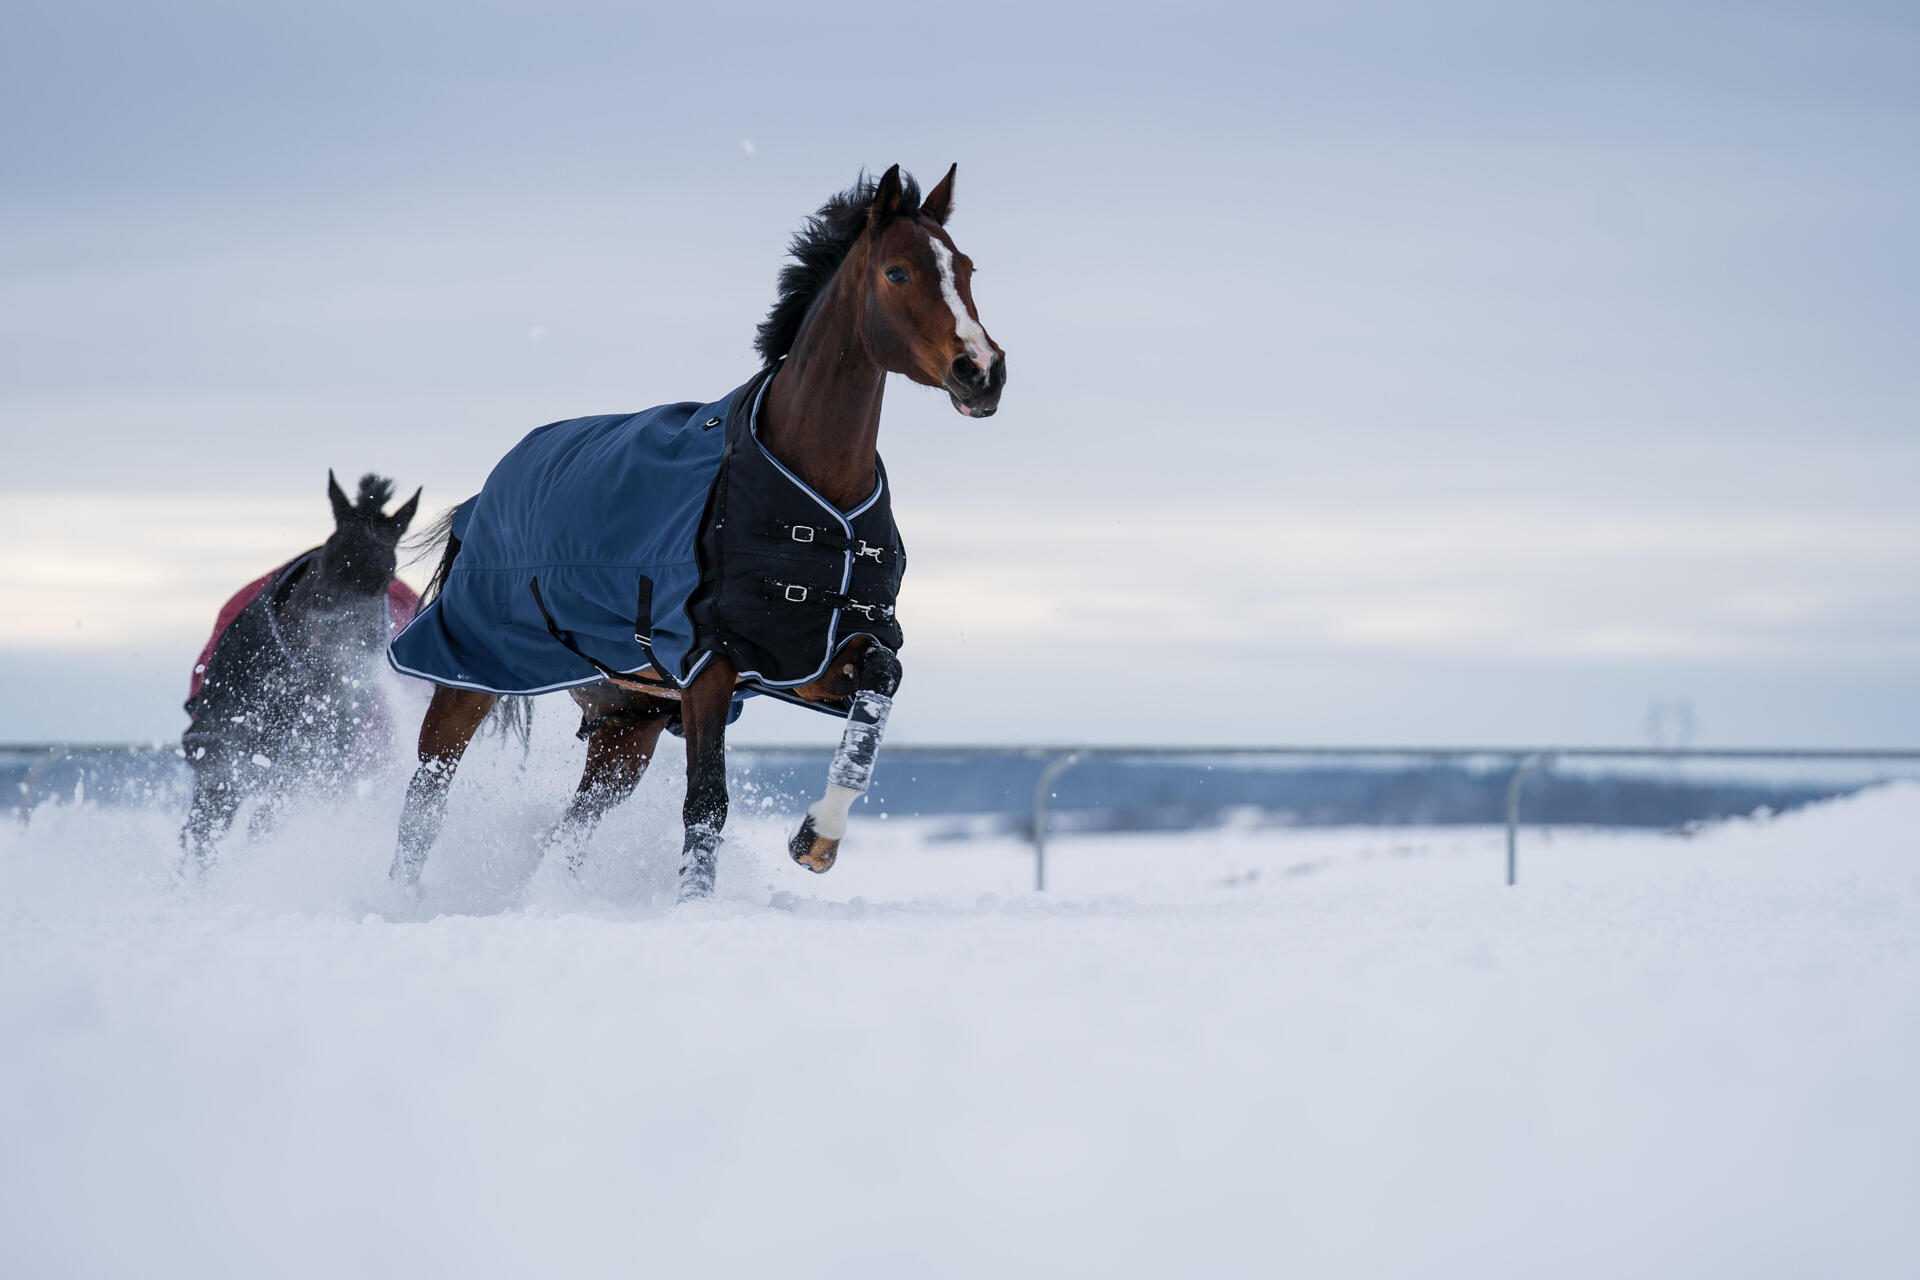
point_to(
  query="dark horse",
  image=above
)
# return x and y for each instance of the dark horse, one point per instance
(876, 287)
(286, 688)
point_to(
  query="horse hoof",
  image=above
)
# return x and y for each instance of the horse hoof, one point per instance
(812, 850)
(697, 875)
(696, 885)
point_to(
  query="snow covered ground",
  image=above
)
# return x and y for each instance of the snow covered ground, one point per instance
(1255, 1052)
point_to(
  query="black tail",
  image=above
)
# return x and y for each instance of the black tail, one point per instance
(512, 716)
(423, 544)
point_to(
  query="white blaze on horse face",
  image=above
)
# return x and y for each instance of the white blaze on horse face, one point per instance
(965, 327)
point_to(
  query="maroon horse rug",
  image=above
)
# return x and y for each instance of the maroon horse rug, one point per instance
(403, 602)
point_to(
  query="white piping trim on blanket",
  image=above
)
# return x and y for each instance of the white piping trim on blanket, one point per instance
(508, 693)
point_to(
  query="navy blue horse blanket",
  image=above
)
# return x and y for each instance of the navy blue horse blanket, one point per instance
(615, 544)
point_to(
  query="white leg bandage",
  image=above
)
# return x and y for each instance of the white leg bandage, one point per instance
(851, 772)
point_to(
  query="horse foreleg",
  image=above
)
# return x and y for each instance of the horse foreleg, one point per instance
(216, 795)
(452, 719)
(817, 842)
(703, 714)
(275, 793)
(620, 744)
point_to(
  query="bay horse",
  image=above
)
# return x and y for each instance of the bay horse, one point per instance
(286, 689)
(776, 529)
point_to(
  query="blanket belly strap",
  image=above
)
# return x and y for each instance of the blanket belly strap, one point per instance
(566, 638)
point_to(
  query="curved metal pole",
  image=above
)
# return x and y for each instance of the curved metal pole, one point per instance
(1528, 767)
(1041, 792)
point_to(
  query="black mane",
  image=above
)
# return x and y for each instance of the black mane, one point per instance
(375, 492)
(818, 249)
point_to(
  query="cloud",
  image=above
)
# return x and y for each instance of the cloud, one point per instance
(1519, 579)
(1346, 347)
(144, 572)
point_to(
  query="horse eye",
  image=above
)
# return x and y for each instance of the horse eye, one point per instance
(898, 275)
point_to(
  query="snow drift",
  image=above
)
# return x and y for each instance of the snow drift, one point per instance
(1232, 1052)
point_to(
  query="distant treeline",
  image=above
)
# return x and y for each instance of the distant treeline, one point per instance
(1100, 793)
(1147, 794)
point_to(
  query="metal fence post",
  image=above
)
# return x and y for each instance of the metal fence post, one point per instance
(1041, 791)
(1528, 767)
(30, 784)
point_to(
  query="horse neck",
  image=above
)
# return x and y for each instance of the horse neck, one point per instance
(318, 601)
(821, 417)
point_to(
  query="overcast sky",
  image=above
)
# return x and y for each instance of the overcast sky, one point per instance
(1378, 372)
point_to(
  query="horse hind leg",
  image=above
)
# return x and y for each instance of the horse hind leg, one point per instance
(452, 718)
(620, 745)
(817, 843)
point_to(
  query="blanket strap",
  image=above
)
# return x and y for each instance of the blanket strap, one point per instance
(798, 593)
(593, 726)
(812, 536)
(273, 615)
(566, 638)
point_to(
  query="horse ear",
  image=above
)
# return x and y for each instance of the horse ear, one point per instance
(886, 198)
(939, 202)
(404, 516)
(342, 508)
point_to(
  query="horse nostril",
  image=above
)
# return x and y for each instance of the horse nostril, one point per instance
(964, 371)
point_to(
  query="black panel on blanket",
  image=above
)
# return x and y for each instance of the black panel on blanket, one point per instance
(786, 578)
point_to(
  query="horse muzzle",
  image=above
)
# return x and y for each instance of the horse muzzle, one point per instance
(976, 392)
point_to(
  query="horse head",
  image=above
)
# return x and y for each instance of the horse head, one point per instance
(360, 557)
(921, 321)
